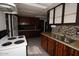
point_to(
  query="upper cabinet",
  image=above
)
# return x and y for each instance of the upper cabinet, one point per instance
(65, 13)
(70, 13)
(70, 8)
(58, 14)
(51, 16)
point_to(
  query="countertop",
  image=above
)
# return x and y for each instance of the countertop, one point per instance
(74, 45)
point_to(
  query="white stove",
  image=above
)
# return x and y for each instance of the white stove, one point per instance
(14, 46)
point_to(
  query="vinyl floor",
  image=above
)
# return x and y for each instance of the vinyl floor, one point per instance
(34, 48)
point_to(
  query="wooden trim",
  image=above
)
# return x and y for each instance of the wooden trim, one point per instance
(77, 16)
(48, 17)
(63, 11)
(54, 16)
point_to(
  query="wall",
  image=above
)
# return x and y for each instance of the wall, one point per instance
(2, 21)
(66, 29)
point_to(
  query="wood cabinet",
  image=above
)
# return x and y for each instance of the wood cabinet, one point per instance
(58, 49)
(73, 52)
(61, 50)
(55, 48)
(51, 46)
(44, 40)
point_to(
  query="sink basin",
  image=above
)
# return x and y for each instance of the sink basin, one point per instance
(69, 40)
(61, 38)
(65, 38)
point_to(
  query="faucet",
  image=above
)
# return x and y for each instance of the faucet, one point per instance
(65, 39)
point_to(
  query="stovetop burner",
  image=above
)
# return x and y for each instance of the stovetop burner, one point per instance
(12, 38)
(19, 41)
(7, 43)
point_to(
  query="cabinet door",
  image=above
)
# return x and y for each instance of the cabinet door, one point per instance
(51, 15)
(70, 18)
(51, 46)
(57, 49)
(44, 42)
(58, 20)
(61, 49)
(70, 8)
(58, 14)
(74, 52)
(70, 13)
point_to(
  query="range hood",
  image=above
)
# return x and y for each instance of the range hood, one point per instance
(5, 7)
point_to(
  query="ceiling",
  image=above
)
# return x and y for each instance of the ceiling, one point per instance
(34, 9)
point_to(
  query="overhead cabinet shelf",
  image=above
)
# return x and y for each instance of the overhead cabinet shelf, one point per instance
(64, 14)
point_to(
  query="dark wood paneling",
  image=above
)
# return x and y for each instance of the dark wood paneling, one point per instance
(31, 30)
(30, 20)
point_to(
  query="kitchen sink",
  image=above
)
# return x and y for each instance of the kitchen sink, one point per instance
(65, 38)
(69, 40)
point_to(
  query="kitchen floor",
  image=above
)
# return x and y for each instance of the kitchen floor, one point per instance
(34, 48)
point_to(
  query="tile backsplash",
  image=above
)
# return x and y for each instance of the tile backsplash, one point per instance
(66, 29)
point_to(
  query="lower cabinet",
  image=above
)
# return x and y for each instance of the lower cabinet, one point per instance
(44, 42)
(54, 48)
(51, 47)
(61, 49)
(58, 49)
(74, 52)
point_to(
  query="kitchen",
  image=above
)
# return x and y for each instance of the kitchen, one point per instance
(39, 29)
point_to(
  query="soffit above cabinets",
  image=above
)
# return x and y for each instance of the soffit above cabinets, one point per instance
(34, 9)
